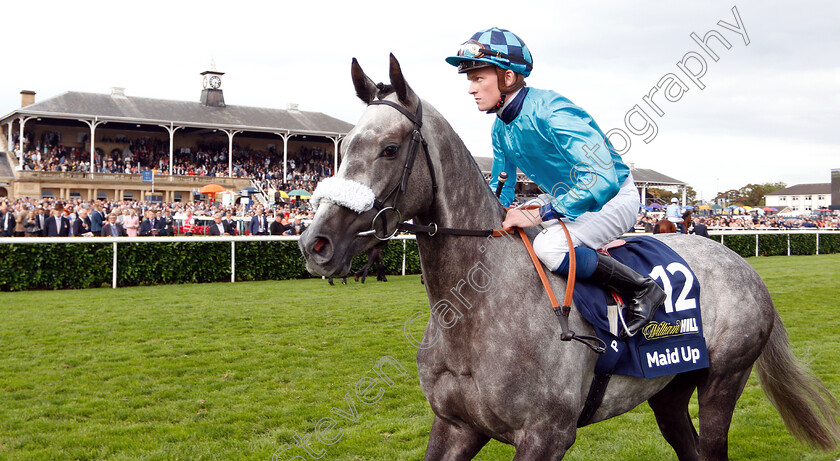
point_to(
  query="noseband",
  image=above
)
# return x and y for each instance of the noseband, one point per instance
(417, 140)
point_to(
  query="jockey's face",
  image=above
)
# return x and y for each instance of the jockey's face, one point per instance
(484, 87)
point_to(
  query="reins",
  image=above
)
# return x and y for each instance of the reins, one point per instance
(562, 312)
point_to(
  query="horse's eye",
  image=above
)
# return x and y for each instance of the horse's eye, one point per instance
(390, 151)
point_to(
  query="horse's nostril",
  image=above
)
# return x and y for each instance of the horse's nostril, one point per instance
(319, 244)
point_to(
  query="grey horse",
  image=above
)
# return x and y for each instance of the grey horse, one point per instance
(491, 362)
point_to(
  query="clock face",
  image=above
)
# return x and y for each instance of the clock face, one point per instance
(215, 82)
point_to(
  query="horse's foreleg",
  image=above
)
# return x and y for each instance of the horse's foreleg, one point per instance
(450, 442)
(670, 406)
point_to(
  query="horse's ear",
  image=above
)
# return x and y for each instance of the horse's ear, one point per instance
(365, 88)
(404, 92)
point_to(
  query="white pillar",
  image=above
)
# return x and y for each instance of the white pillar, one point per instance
(684, 195)
(92, 124)
(231, 134)
(9, 136)
(22, 123)
(335, 140)
(285, 156)
(644, 194)
(171, 129)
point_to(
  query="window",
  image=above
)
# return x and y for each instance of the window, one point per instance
(808, 197)
(176, 197)
(821, 197)
(782, 199)
(807, 207)
(128, 196)
(74, 194)
(47, 193)
(102, 195)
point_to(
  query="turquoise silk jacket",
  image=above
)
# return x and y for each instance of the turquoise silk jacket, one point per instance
(561, 148)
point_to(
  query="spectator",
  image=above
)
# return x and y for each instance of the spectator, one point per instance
(296, 227)
(97, 217)
(112, 228)
(131, 222)
(57, 225)
(218, 227)
(20, 217)
(81, 225)
(31, 228)
(147, 227)
(278, 227)
(7, 221)
(700, 228)
(159, 224)
(259, 223)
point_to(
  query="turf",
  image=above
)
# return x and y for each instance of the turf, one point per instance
(235, 371)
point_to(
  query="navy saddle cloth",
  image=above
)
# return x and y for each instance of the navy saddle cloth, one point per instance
(673, 341)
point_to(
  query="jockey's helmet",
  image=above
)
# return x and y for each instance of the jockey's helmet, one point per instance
(495, 47)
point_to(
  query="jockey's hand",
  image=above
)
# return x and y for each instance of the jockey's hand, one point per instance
(520, 217)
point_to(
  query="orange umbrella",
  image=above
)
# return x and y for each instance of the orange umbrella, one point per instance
(211, 189)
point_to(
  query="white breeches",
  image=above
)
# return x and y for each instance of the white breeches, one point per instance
(592, 229)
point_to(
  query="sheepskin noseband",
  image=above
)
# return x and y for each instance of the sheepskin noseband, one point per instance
(344, 192)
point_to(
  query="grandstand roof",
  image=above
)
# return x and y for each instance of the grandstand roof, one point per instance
(641, 176)
(119, 108)
(805, 189)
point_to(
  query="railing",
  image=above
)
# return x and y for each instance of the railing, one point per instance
(115, 241)
(132, 178)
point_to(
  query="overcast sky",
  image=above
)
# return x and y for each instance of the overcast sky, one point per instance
(768, 112)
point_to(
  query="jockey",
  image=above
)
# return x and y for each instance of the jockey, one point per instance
(673, 214)
(554, 142)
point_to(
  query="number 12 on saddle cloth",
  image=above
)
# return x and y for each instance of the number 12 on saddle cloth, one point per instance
(673, 341)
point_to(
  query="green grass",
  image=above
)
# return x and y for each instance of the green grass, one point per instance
(234, 371)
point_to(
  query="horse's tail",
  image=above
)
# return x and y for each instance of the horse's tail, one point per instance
(808, 409)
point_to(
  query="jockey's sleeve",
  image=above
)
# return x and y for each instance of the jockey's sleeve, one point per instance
(500, 163)
(592, 163)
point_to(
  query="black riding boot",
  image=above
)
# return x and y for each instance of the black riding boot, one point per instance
(642, 295)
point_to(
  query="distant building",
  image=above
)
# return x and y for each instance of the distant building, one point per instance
(642, 177)
(800, 198)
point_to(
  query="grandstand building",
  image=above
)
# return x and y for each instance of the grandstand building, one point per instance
(97, 128)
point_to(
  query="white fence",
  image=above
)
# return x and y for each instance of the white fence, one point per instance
(115, 241)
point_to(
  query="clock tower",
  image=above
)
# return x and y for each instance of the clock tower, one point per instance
(212, 94)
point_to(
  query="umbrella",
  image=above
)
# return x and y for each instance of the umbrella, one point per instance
(769, 208)
(716, 207)
(656, 205)
(211, 189)
(283, 194)
(704, 207)
(302, 193)
(688, 207)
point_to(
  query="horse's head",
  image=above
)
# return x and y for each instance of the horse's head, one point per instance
(385, 176)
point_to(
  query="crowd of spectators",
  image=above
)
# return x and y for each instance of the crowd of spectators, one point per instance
(646, 222)
(305, 168)
(77, 218)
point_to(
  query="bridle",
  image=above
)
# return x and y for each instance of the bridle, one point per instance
(417, 140)
(562, 313)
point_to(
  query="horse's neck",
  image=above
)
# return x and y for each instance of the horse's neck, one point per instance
(463, 201)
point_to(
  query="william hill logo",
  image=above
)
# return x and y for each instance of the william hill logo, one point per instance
(656, 330)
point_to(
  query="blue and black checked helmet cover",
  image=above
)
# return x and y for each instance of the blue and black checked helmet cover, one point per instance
(514, 54)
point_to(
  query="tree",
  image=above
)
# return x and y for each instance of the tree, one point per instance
(749, 195)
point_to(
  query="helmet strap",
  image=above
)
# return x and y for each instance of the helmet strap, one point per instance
(505, 89)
